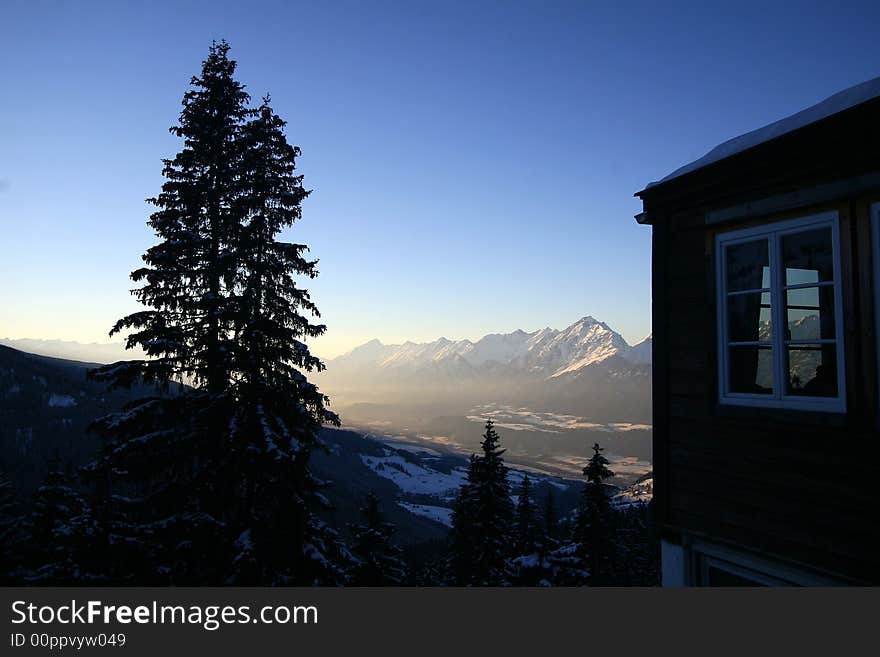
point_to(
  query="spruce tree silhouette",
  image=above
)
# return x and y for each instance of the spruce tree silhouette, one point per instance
(278, 411)
(191, 480)
(526, 528)
(482, 519)
(595, 529)
(378, 559)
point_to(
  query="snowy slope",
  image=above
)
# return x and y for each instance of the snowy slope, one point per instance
(440, 514)
(410, 477)
(640, 492)
(422, 482)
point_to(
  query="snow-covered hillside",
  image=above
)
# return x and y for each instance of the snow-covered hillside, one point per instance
(641, 492)
(427, 485)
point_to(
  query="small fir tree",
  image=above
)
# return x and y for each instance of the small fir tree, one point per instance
(378, 559)
(526, 529)
(482, 519)
(529, 565)
(595, 530)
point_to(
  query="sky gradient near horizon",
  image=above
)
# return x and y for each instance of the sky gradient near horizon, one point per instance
(473, 164)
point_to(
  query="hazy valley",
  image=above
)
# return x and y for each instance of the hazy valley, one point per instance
(552, 394)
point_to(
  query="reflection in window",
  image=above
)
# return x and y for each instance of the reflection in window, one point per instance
(748, 266)
(812, 370)
(809, 281)
(807, 257)
(751, 369)
(811, 313)
(748, 317)
(780, 313)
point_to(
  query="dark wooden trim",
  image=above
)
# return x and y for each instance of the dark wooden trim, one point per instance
(795, 213)
(851, 348)
(687, 536)
(660, 360)
(867, 300)
(711, 322)
(782, 416)
(800, 198)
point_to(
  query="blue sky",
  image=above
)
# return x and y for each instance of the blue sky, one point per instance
(473, 164)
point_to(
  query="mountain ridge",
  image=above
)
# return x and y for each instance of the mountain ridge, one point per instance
(544, 353)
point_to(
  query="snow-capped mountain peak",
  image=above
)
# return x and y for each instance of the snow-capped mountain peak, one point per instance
(544, 353)
(584, 343)
(641, 352)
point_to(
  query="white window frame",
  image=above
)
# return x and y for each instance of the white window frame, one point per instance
(772, 232)
(706, 563)
(761, 569)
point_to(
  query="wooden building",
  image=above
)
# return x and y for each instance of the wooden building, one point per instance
(766, 276)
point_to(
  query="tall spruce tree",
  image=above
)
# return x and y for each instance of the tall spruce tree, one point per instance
(482, 519)
(279, 412)
(159, 496)
(192, 484)
(378, 559)
(187, 280)
(595, 526)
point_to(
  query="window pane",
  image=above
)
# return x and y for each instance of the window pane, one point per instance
(811, 313)
(748, 317)
(807, 257)
(748, 266)
(751, 370)
(812, 370)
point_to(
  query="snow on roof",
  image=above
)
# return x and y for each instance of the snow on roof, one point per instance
(843, 100)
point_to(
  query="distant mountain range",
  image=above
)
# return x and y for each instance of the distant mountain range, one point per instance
(587, 369)
(94, 352)
(544, 354)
